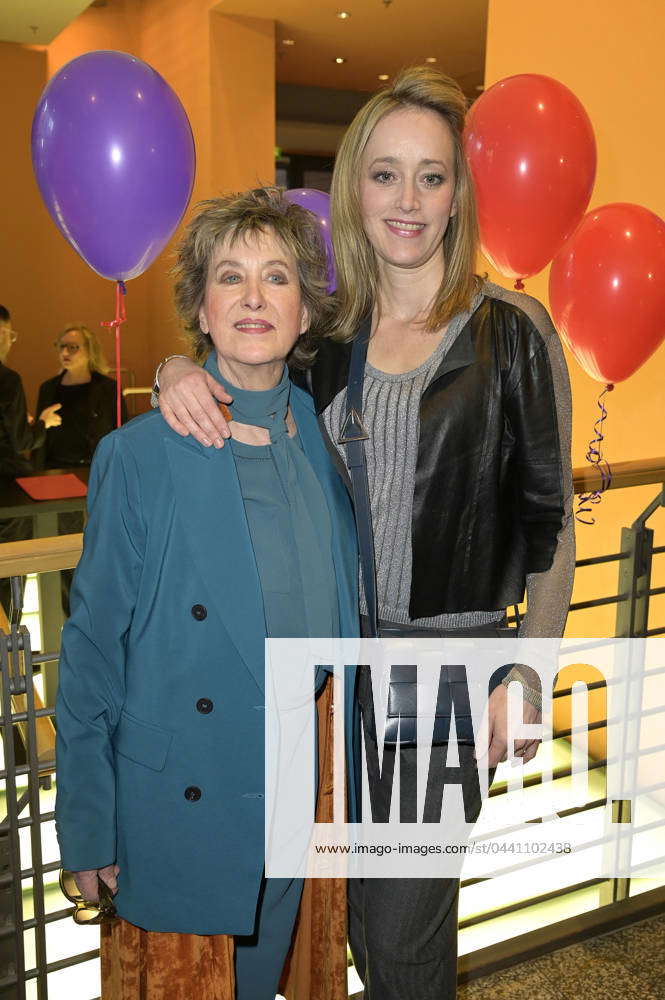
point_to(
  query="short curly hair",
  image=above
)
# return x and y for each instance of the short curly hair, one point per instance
(237, 216)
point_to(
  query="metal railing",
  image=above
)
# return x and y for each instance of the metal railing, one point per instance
(23, 714)
(22, 710)
(634, 590)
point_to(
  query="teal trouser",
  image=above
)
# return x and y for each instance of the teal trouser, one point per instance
(260, 956)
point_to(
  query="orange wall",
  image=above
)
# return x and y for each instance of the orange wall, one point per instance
(111, 27)
(224, 73)
(242, 118)
(614, 63)
(223, 70)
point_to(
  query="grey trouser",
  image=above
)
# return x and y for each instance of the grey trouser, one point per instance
(403, 932)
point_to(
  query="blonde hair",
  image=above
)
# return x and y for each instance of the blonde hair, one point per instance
(96, 360)
(236, 217)
(420, 88)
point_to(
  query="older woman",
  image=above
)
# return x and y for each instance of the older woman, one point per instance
(466, 406)
(191, 559)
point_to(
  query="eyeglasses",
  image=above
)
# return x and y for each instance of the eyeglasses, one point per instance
(72, 348)
(85, 911)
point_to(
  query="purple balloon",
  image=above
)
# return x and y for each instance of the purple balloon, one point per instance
(114, 158)
(318, 202)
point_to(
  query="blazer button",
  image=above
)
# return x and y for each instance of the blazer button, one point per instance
(192, 794)
(199, 612)
(204, 706)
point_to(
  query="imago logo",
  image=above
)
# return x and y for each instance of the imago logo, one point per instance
(406, 758)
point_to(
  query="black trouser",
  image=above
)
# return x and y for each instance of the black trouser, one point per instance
(16, 529)
(403, 932)
(70, 522)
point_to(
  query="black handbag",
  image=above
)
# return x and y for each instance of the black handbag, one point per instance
(401, 716)
(402, 712)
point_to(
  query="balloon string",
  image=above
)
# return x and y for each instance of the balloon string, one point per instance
(595, 456)
(120, 318)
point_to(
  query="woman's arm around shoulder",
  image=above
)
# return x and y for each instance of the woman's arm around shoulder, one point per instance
(189, 399)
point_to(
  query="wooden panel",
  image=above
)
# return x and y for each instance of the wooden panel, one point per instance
(40, 555)
(640, 472)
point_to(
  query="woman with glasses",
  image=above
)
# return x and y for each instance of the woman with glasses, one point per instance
(86, 398)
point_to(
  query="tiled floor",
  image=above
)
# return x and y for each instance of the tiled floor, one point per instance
(628, 964)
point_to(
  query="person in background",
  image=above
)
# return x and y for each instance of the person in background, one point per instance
(86, 397)
(18, 434)
(467, 409)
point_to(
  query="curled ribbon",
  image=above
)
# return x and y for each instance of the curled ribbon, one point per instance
(595, 456)
(120, 318)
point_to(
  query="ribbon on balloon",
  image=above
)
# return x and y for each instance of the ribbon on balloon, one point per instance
(596, 458)
(120, 318)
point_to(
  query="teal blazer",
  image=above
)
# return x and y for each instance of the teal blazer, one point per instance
(160, 710)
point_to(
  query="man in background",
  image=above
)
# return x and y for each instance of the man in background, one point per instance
(18, 433)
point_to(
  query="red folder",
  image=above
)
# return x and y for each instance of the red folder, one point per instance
(53, 487)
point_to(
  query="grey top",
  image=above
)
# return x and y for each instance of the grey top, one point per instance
(391, 415)
(291, 533)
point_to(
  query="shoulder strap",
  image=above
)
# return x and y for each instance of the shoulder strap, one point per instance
(353, 435)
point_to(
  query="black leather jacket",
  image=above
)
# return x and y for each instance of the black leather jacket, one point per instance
(16, 434)
(489, 488)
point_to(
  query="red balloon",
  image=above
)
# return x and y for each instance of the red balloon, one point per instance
(532, 153)
(607, 290)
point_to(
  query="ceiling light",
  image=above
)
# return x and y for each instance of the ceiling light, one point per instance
(430, 59)
(383, 76)
(339, 60)
(288, 41)
(343, 15)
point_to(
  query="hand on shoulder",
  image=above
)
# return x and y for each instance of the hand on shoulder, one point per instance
(189, 400)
